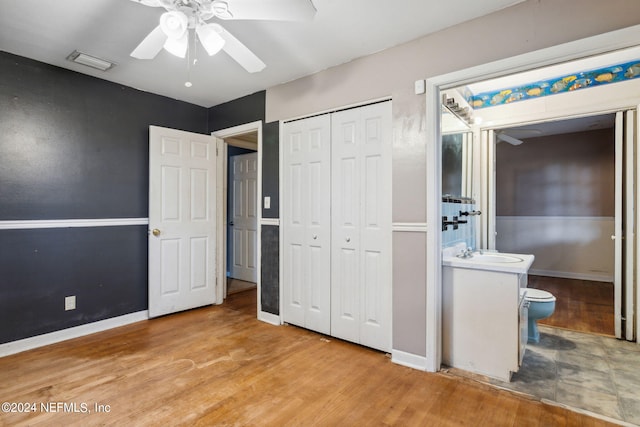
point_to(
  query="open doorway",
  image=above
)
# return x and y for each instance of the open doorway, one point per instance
(555, 198)
(240, 197)
(242, 212)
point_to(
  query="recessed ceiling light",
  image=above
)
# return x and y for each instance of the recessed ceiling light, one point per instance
(90, 61)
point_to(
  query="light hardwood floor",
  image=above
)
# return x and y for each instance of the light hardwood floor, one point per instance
(220, 366)
(235, 286)
(581, 305)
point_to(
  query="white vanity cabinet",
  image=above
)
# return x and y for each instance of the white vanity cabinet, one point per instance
(483, 316)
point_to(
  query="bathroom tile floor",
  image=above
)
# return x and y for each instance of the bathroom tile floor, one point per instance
(589, 372)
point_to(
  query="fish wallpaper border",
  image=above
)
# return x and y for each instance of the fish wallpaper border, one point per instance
(568, 83)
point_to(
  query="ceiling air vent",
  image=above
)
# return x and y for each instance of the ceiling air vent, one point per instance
(90, 61)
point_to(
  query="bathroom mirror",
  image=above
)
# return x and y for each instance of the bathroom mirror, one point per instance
(457, 143)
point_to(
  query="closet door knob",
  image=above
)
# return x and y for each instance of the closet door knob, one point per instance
(315, 237)
(348, 239)
(155, 232)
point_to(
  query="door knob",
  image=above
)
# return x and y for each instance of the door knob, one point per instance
(315, 237)
(348, 239)
(155, 232)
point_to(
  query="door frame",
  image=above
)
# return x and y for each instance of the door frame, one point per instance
(221, 192)
(599, 44)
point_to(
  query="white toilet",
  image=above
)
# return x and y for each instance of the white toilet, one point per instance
(541, 305)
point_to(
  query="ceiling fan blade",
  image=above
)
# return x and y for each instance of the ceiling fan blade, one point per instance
(153, 3)
(268, 10)
(511, 140)
(239, 51)
(151, 45)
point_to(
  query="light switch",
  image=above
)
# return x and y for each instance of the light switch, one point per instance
(267, 202)
(419, 87)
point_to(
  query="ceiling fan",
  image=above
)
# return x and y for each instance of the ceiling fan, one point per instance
(507, 138)
(181, 16)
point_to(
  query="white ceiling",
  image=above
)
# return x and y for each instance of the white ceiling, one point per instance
(559, 127)
(342, 30)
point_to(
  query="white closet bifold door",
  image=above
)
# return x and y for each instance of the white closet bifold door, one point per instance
(361, 225)
(306, 225)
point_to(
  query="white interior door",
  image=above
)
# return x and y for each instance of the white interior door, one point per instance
(361, 225)
(182, 220)
(625, 263)
(617, 236)
(243, 221)
(306, 217)
(629, 223)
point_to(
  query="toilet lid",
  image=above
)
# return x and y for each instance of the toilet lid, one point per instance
(539, 295)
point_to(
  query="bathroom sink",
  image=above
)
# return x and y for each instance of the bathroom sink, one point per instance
(498, 258)
(486, 260)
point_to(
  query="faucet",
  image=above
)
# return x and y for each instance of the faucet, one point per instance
(465, 253)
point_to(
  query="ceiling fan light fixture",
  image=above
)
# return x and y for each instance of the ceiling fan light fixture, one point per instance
(210, 38)
(174, 24)
(177, 47)
(221, 9)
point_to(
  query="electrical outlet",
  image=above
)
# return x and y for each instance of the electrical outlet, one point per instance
(70, 303)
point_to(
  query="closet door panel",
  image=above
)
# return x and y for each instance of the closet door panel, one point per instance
(375, 233)
(345, 230)
(317, 191)
(294, 293)
(306, 223)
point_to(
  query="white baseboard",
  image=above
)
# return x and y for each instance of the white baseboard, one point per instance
(570, 275)
(269, 318)
(408, 359)
(70, 333)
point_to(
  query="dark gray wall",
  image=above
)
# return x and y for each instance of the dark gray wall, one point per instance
(270, 171)
(104, 267)
(73, 146)
(247, 109)
(244, 110)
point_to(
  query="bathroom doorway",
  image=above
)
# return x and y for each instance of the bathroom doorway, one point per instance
(555, 198)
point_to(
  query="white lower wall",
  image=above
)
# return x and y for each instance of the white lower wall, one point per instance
(571, 247)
